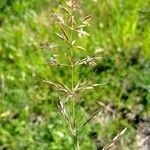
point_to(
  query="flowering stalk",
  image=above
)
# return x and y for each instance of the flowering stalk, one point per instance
(71, 29)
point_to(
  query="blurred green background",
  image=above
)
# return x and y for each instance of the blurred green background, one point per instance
(29, 116)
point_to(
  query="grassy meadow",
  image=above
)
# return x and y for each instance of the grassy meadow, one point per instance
(29, 116)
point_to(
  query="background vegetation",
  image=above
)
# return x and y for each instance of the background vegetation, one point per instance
(29, 118)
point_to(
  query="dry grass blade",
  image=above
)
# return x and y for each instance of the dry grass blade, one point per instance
(74, 92)
(76, 87)
(61, 36)
(72, 22)
(94, 114)
(79, 87)
(81, 26)
(87, 17)
(63, 111)
(66, 87)
(85, 86)
(65, 9)
(65, 115)
(58, 18)
(64, 38)
(88, 60)
(90, 87)
(82, 33)
(116, 138)
(106, 107)
(73, 42)
(71, 95)
(64, 33)
(60, 87)
(80, 48)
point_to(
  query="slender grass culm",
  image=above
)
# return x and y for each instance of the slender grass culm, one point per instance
(69, 26)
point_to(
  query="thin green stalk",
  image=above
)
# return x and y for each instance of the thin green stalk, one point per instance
(76, 141)
(72, 76)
